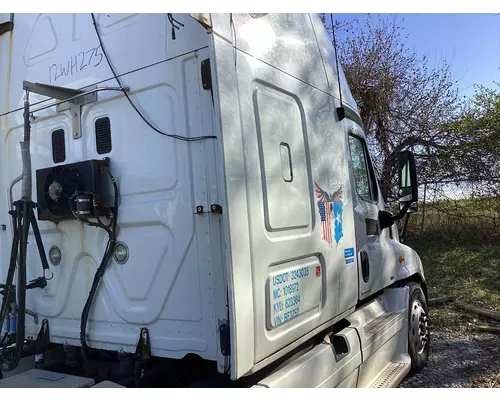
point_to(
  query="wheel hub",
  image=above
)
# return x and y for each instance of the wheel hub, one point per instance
(419, 326)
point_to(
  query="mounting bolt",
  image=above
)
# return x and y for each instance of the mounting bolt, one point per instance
(216, 208)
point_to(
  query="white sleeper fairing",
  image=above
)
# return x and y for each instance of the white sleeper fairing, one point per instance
(289, 196)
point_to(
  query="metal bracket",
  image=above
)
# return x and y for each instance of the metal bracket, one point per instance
(75, 108)
(33, 314)
(6, 27)
(143, 349)
(204, 19)
(206, 77)
(224, 338)
(216, 208)
(74, 100)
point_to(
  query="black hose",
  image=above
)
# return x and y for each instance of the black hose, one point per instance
(110, 247)
(26, 116)
(39, 243)
(88, 304)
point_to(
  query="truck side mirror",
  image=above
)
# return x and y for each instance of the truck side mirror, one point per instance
(408, 190)
(407, 178)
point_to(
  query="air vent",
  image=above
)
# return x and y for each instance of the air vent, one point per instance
(103, 135)
(58, 146)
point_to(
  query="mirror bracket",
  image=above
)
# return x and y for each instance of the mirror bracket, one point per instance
(387, 219)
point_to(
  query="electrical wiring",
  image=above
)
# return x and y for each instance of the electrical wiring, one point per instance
(178, 137)
(110, 246)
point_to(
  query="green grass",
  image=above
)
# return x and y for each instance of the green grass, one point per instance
(468, 220)
(469, 272)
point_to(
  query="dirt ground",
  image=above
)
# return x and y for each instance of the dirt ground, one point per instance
(460, 360)
(469, 272)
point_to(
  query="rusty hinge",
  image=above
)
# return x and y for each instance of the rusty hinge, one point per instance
(143, 349)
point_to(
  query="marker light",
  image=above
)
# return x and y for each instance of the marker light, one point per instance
(55, 255)
(121, 253)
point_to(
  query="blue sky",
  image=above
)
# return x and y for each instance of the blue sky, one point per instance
(470, 41)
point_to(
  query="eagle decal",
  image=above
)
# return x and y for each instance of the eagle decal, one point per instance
(330, 211)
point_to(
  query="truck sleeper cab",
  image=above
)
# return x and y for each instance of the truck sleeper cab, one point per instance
(252, 239)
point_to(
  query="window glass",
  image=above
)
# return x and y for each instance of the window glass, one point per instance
(362, 170)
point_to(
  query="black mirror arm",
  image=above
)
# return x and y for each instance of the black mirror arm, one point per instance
(402, 212)
(386, 219)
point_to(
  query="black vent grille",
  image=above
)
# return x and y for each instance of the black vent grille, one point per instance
(103, 135)
(58, 146)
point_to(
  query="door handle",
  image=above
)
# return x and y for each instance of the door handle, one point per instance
(365, 266)
(286, 162)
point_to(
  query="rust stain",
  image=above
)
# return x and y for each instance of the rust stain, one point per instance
(401, 260)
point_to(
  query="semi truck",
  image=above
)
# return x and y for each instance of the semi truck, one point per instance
(189, 200)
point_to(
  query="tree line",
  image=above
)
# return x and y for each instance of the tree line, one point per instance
(406, 104)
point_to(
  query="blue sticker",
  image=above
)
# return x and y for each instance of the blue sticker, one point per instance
(349, 260)
(349, 252)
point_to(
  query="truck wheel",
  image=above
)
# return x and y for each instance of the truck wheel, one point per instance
(418, 328)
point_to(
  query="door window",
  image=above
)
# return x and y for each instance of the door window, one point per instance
(364, 177)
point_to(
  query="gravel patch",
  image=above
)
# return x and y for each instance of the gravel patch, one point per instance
(457, 361)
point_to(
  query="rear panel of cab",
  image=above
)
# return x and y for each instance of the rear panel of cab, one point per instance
(173, 280)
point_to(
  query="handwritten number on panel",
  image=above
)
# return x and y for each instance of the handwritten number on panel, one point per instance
(77, 63)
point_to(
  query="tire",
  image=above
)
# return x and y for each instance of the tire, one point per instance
(418, 328)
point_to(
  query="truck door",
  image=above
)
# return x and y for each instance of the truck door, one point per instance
(376, 251)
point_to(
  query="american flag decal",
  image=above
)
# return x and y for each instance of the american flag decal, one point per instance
(330, 211)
